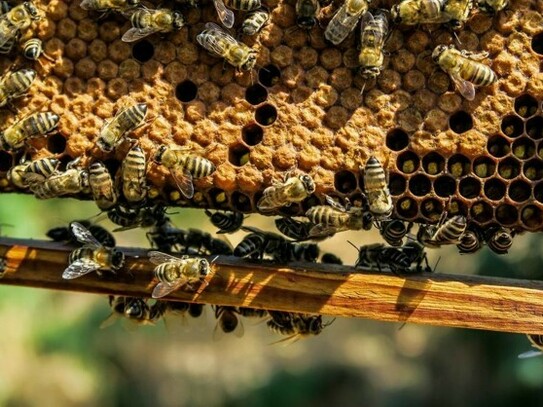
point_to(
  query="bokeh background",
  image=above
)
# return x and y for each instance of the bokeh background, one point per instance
(53, 353)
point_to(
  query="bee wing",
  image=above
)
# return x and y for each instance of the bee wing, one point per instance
(83, 235)
(31, 178)
(226, 16)
(86, 5)
(265, 204)
(336, 205)
(253, 230)
(162, 289)
(344, 19)
(530, 354)
(109, 321)
(183, 179)
(158, 258)
(8, 30)
(135, 34)
(79, 268)
(466, 89)
(322, 230)
(217, 42)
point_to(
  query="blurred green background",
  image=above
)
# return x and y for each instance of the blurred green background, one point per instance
(52, 352)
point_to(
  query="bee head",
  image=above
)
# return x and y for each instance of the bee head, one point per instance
(203, 267)
(306, 23)
(178, 20)
(308, 182)
(437, 52)
(117, 259)
(104, 145)
(158, 156)
(395, 14)
(32, 10)
(249, 63)
(133, 3)
(315, 325)
(134, 308)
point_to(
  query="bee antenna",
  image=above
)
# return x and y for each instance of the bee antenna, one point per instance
(437, 262)
(353, 245)
(215, 258)
(457, 38)
(363, 87)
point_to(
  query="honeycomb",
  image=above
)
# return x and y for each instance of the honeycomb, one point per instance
(302, 107)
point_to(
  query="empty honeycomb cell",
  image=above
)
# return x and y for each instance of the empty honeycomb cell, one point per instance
(534, 128)
(269, 75)
(537, 43)
(238, 155)
(484, 167)
(266, 115)
(252, 134)
(509, 168)
(506, 214)
(431, 209)
(519, 191)
(5, 161)
(458, 165)
(241, 202)
(397, 183)
(469, 187)
(445, 186)
(143, 51)
(481, 212)
(498, 146)
(186, 91)
(460, 122)
(512, 125)
(420, 185)
(433, 163)
(523, 148)
(531, 217)
(345, 182)
(406, 208)
(456, 207)
(408, 162)
(256, 94)
(56, 143)
(533, 169)
(64, 161)
(538, 192)
(526, 105)
(397, 139)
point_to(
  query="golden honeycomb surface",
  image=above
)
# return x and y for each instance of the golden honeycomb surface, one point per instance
(302, 107)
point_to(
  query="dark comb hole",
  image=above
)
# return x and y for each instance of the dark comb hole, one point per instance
(397, 139)
(238, 155)
(481, 212)
(537, 43)
(256, 94)
(420, 185)
(241, 202)
(512, 125)
(345, 182)
(533, 170)
(143, 51)
(458, 165)
(498, 146)
(218, 197)
(64, 161)
(266, 115)
(531, 217)
(431, 209)
(519, 191)
(291, 210)
(494, 189)
(484, 167)
(525, 105)
(112, 165)
(186, 91)
(469, 187)
(408, 162)
(538, 192)
(269, 75)
(523, 148)
(406, 208)
(456, 208)
(509, 168)
(5, 161)
(252, 134)
(534, 128)
(445, 186)
(460, 122)
(56, 143)
(309, 202)
(397, 184)
(506, 214)
(433, 163)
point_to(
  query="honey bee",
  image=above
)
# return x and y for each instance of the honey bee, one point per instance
(376, 190)
(252, 312)
(336, 218)
(113, 132)
(107, 5)
(134, 309)
(463, 68)
(227, 322)
(293, 189)
(101, 185)
(33, 50)
(222, 44)
(414, 12)
(456, 12)
(227, 222)
(35, 125)
(471, 241)
(173, 273)
(445, 232)
(93, 256)
(378, 256)
(225, 16)
(18, 18)
(293, 228)
(373, 33)
(65, 234)
(330, 258)
(499, 240)
(183, 167)
(295, 325)
(243, 5)
(15, 84)
(35, 171)
(146, 22)
(306, 13)
(492, 7)
(254, 21)
(345, 20)
(537, 342)
(132, 217)
(393, 231)
(133, 175)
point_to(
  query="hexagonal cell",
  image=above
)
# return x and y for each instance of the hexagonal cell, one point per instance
(186, 91)
(64, 161)
(445, 186)
(484, 167)
(433, 163)
(345, 182)
(538, 192)
(218, 197)
(512, 125)
(498, 146)
(112, 166)
(5, 161)
(266, 115)
(420, 185)
(509, 168)
(396, 183)
(143, 51)
(406, 208)
(526, 105)
(431, 209)
(534, 128)
(481, 212)
(458, 165)
(523, 148)
(358, 200)
(241, 202)
(397, 139)
(506, 214)
(238, 154)
(494, 189)
(252, 134)
(531, 217)
(460, 122)
(408, 162)
(469, 187)
(269, 75)
(56, 143)
(456, 207)
(533, 169)
(519, 191)
(537, 43)
(256, 94)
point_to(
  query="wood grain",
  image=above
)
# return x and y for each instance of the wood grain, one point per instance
(437, 299)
